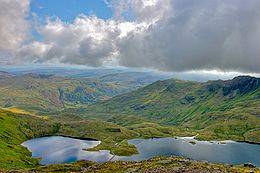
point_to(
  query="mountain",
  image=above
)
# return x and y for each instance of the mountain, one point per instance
(132, 80)
(4, 74)
(48, 92)
(41, 92)
(218, 109)
(77, 72)
(61, 71)
(213, 110)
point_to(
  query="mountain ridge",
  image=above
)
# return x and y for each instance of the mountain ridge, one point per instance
(4, 74)
(194, 105)
(44, 92)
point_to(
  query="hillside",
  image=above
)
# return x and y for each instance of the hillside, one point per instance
(45, 92)
(156, 165)
(4, 74)
(217, 109)
(16, 128)
(214, 110)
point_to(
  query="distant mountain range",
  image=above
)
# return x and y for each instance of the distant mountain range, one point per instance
(4, 74)
(47, 92)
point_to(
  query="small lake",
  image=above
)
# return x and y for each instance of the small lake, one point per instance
(58, 149)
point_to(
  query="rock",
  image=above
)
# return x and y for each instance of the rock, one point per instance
(240, 84)
(250, 165)
(243, 84)
(192, 142)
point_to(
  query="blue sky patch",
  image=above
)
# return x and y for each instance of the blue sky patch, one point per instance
(68, 10)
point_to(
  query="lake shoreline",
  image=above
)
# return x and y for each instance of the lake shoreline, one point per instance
(178, 146)
(68, 136)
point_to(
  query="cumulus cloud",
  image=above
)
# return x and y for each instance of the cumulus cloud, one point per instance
(88, 40)
(14, 28)
(170, 35)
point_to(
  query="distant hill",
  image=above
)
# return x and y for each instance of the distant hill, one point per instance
(72, 72)
(132, 80)
(48, 92)
(228, 109)
(4, 74)
(61, 71)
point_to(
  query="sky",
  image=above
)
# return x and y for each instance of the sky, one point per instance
(166, 35)
(68, 10)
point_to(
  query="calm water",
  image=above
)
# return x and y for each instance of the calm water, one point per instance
(57, 149)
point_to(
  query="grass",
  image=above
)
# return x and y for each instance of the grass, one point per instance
(16, 128)
(159, 164)
(13, 131)
(24, 112)
(46, 93)
(197, 107)
(164, 109)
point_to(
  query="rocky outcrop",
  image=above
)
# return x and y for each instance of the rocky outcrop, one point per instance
(242, 84)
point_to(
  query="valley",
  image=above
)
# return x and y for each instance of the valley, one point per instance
(115, 108)
(16, 128)
(129, 86)
(44, 93)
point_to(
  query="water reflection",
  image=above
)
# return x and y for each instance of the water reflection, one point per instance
(228, 152)
(57, 149)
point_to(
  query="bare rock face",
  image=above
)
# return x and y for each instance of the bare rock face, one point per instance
(242, 84)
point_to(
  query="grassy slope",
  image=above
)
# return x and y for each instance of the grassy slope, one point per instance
(210, 114)
(200, 107)
(14, 130)
(159, 164)
(18, 126)
(45, 93)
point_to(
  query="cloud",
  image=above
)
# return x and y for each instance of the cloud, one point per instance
(199, 35)
(88, 40)
(14, 28)
(169, 35)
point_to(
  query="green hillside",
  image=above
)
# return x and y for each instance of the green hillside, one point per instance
(155, 165)
(45, 93)
(215, 109)
(15, 129)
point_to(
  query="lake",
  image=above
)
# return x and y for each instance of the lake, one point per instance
(58, 149)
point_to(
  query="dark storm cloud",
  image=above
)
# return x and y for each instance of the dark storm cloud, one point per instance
(199, 35)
